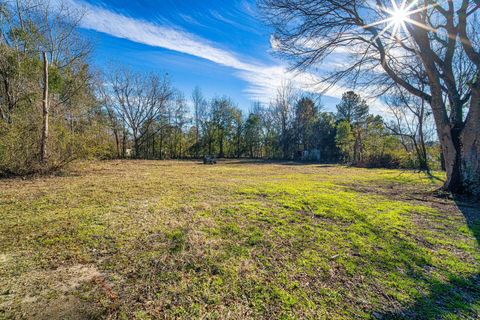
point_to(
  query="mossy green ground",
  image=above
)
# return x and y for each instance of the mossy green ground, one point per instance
(239, 240)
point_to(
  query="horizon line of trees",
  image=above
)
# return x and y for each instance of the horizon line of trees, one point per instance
(158, 124)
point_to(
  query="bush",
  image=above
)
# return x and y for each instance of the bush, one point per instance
(86, 137)
(389, 161)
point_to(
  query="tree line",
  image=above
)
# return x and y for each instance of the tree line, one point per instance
(150, 119)
(56, 108)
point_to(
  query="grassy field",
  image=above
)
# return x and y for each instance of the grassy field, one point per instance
(239, 240)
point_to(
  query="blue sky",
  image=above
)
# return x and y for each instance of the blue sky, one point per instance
(221, 46)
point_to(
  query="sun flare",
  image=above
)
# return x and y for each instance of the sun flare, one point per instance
(399, 16)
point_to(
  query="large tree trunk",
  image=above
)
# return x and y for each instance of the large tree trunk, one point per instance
(45, 109)
(470, 139)
(462, 161)
(451, 149)
(470, 165)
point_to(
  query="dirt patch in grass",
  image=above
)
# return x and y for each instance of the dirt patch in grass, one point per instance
(52, 294)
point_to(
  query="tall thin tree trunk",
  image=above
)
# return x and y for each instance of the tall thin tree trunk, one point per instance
(117, 142)
(238, 146)
(45, 109)
(180, 152)
(357, 158)
(153, 147)
(422, 148)
(124, 144)
(161, 145)
(197, 135)
(222, 153)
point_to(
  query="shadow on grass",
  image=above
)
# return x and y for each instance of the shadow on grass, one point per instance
(432, 177)
(455, 298)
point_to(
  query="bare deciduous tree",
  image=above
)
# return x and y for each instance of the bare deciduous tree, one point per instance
(283, 109)
(199, 109)
(139, 100)
(115, 118)
(45, 113)
(410, 124)
(383, 40)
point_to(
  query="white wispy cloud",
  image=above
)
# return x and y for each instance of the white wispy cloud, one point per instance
(263, 80)
(191, 20)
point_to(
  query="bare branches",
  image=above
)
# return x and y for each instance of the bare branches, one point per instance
(309, 31)
(139, 100)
